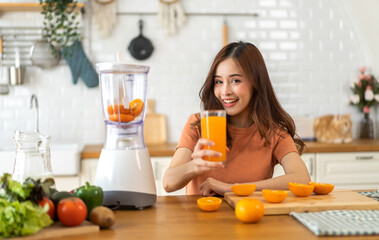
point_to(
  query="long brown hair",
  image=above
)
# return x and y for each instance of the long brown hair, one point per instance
(265, 109)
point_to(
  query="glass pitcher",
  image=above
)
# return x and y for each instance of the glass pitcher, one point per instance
(32, 156)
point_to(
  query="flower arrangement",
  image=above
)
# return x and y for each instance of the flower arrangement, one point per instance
(365, 91)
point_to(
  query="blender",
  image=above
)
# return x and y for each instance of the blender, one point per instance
(124, 170)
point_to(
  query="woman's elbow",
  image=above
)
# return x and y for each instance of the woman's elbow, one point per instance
(166, 184)
(304, 178)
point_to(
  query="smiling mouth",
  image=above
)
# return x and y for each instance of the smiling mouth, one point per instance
(229, 101)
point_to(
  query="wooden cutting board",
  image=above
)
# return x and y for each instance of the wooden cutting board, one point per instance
(155, 126)
(57, 229)
(336, 200)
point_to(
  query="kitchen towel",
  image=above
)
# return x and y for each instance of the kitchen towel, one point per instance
(371, 194)
(79, 65)
(340, 223)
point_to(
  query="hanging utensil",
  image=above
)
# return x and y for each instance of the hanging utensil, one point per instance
(16, 72)
(225, 33)
(4, 88)
(140, 47)
(42, 55)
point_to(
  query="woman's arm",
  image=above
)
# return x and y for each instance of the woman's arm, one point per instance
(186, 165)
(295, 171)
(294, 168)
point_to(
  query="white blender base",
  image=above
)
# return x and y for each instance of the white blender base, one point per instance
(126, 177)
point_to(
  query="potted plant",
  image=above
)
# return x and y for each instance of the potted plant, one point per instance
(62, 32)
(61, 24)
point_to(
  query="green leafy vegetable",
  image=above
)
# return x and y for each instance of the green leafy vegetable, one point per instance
(13, 190)
(19, 213)
(31, 189)
(21, 218)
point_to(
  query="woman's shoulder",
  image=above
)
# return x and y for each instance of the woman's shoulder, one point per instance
(195, 117)
(281, 133)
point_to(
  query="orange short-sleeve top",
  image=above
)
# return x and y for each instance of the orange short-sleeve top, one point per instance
(248, 160)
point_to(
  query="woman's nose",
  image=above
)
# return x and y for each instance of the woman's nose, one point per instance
(226, 89)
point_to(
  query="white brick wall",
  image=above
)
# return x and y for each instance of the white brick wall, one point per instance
(310, 48)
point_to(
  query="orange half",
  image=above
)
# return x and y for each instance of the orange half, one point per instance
(243, 189)
(116, 109)
(121, 118)
(322, 188)
(209, 204)
(274, 196)
(300, 190)
(136, 107)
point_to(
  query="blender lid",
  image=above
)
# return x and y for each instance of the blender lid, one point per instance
(120, 67)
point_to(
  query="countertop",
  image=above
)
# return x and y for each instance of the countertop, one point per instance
(167, 149)
(178, 217)
(161, 150)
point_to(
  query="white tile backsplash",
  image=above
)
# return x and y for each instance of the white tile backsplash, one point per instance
(310, 48)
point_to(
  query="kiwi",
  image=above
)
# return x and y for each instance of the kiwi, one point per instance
(102, 216)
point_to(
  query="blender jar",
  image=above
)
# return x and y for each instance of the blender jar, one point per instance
(123, 92)
(32, 156)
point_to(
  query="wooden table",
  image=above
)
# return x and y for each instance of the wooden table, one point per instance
(178, 217)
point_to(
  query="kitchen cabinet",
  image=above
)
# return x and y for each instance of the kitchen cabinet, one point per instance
(309, 161)
(88, 170)
(348, 170)
(351, 170)
(159, 164)
(66, 183)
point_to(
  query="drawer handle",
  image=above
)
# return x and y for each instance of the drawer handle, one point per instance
(364, 157)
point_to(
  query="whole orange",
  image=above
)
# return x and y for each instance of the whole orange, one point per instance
(249, 210)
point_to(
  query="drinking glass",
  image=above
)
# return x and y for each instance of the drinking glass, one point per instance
(213, 127)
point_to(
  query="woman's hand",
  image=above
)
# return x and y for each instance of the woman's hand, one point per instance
(201, 165)
(212, 187)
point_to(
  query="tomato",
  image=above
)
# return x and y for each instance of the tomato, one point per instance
(71, 211)
(47, 201)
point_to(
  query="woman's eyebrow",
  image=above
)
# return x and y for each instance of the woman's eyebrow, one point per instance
(232, 75)
(235, 75)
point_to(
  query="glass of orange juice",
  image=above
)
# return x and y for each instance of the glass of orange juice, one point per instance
(213, 127)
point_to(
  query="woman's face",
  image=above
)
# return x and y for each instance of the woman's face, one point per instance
(232, 89)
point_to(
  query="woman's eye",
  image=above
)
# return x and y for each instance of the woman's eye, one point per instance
(218, 81)
(236, 81)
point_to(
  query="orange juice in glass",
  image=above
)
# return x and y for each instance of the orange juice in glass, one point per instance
(213, 127)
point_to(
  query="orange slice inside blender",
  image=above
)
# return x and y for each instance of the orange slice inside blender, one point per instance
(136, 107)
(322, 188)
(121, 118)
(115, 109)
(243, 189)
(118, 113)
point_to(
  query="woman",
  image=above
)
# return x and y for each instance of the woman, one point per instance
(260, 134)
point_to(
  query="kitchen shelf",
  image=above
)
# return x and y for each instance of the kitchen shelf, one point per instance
(28, 7)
